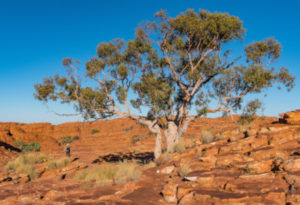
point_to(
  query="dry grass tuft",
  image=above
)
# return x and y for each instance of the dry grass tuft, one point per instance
(164, 158)
(184, 169)
(207, 136)
(58, 164)
(105, 175)
(23, 163)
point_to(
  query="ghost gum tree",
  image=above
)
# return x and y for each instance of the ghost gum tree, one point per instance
(171, 66)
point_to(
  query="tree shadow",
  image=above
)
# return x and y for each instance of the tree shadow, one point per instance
(141, 158)
(9, 147)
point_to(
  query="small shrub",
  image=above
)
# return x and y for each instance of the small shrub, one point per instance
(249, 112)
(76, 138)
(127, 172)
(58, 164)
(163, 159)
(136, 138)
(31, 146)
(23, 164)
(19, 144)
(184, 169)
(94, 131)
(68, 139)
(105, 175)
(28, 169)
(207, 136)
(179, 147)
(248, 169)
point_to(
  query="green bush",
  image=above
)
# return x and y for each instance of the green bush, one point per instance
(94, 131)
(31, 146)
(76, 138)
(68, 139)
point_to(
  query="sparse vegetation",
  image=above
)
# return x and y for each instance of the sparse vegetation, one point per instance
(68, 139)
(163, 159)
(105, 175)
(137, 138)
(248, 169)
(28, 147)
(23, 163)
(184, 169)
(190, 143)
(94, 131)
(249, 112)
(178, 147)
(58, 164)
(207, 136)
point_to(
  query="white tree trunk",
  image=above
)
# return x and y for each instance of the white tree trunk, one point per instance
(171, 135)
(157, 148)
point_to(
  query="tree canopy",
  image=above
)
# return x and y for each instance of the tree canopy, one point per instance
(172, 65)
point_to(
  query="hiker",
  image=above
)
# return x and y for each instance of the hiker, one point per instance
(68, 150)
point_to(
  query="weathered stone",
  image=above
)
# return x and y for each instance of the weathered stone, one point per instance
(292, 165)
(190, 178)
(187, 199)
(169, 192)
(167, 170)
(206, 181)
(259, 166)
(183, 192)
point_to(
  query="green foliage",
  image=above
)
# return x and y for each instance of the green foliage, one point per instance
(94, 131)
(31, 146)
(172, 65)
(249, 112)
(68, 139)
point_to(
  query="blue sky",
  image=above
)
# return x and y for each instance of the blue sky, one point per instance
(36, 35)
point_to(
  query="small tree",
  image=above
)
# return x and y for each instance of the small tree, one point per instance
(172, 65)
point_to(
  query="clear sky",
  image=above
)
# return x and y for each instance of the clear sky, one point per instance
(36, 35)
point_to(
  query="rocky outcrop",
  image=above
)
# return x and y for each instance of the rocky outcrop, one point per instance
(292, 118)
(253, 164)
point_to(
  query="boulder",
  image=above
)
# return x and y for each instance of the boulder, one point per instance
(292, 117)
(187, 199)
(169, 192)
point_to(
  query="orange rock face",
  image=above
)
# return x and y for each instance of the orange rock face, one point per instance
(253, 164)
(292, 118)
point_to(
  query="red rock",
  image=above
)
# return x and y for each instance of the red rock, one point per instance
(169, 192)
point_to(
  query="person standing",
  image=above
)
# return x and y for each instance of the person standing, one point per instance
(68, 150)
